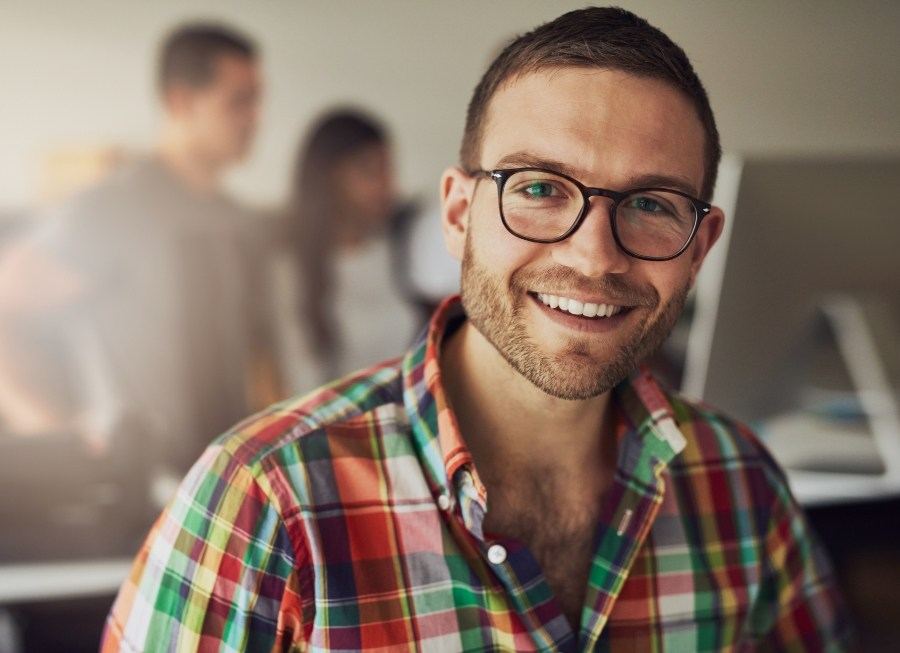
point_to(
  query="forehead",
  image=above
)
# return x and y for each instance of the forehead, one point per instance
(235, 69)
(607, 126)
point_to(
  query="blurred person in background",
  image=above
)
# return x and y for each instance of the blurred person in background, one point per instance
(141, 294)
(346, 231)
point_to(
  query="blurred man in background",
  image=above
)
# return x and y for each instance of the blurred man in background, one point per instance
(134, 307)
(131, 326)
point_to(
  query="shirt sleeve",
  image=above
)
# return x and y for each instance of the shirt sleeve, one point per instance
(798, 607)
(220, 571)
(84, 237)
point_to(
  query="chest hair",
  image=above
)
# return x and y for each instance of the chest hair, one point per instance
(557, 524)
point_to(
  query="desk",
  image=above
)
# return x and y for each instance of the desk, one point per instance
(814, 489)
(48, 581)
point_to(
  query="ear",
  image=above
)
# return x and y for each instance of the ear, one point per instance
(456, 199)
(176, 99)
(707, 234)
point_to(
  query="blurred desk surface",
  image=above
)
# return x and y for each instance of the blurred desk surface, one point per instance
(813, 489)
(46, 581)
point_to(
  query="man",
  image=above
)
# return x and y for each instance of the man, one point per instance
(514, 482)
(141, 286)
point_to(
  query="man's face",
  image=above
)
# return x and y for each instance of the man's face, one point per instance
(221, 117)
(607, 129)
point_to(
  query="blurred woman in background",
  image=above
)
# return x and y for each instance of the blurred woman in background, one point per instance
(345, 227)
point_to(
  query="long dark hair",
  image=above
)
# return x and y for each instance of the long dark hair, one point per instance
(313, 215)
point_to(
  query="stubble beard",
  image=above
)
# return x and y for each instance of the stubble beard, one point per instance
(574, 373)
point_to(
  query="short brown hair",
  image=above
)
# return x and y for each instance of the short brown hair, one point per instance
(188, 54)
(595, 37)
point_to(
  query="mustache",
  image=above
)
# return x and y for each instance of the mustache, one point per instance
(561, 279)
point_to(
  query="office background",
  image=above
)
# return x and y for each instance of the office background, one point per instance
(785, 80)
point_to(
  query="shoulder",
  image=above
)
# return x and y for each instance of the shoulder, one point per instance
(713, 432)
(717, 441)
(85, 234)
(131, 181)
(107, 207)
(370, 395)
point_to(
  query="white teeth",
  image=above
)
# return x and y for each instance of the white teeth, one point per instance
(576, 307)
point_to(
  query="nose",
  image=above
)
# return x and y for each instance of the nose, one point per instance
(592, 249)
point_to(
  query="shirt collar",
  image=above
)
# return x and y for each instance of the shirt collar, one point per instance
(645, 428)
(435, 432)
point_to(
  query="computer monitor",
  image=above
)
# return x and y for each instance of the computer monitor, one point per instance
(800, 232)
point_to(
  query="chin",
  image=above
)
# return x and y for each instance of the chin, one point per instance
(578, 377)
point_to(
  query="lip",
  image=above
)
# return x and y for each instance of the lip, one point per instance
(582, 324)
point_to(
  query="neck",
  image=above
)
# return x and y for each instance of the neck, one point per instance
(196, 171)
(508, 423)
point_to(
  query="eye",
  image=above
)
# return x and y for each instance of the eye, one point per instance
(648, 204)
(539, 189)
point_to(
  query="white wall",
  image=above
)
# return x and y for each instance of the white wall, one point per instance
(798, 77)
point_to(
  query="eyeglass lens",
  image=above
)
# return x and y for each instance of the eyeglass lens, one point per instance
(542, 206)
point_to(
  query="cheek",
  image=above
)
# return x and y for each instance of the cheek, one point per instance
(366, 195)
(494, 251)
(495, 246)
(377, 189)
(669, 278)
(208, 120)
(204, 108)
(501, 255)
(220, 117)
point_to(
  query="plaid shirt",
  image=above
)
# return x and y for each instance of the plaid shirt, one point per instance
(351, 520)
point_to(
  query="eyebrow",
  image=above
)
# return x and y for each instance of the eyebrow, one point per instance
(527, 160)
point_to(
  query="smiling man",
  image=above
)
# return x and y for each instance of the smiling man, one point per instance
(516, 481)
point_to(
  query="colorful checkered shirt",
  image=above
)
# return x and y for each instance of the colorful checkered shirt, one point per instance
(351, 520)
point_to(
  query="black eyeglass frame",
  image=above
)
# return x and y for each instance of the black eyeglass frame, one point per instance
(501, 176)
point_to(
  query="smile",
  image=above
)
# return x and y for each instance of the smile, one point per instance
(576, 307)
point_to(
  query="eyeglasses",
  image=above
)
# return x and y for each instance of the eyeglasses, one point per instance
(542, 206)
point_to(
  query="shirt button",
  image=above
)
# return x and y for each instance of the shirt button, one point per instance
(496, 554)
(443, 502)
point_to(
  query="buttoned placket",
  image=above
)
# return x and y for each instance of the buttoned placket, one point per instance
(514, 566)
(628, 514)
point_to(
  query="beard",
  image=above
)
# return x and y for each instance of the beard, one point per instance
(575, 372)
